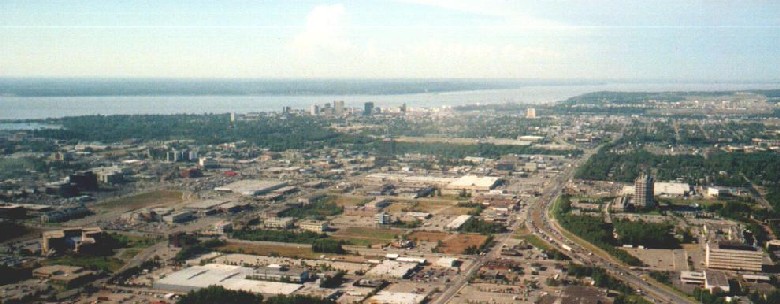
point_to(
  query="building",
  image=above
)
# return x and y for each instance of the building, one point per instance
(729, 255)
(70, 239)
(64, 276)
(643, 191)
(12, 211)
(109, 175)
(279, 222)
(530, 113)
(84, 180)
(338, 107)
(208, 162)
(472, 184)
(314, 110)
(228, 276)
(458, 222)
(387, 297)
(716, 280)
(383, 218)
(223, 227)
(280, 273)
(392, 270)
(314, 226)
(179, 217)
(368, 108)
(252, 187)
(692, 277)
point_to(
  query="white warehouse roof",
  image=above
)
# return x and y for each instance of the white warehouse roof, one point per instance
(227, 276)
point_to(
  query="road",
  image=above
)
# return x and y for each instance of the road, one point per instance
(540, 223)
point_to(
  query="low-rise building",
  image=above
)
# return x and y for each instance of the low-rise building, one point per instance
(70, 239)
(313, 226)
(458, 222)
(733, 256)
(179, 217)
(280, 273)
(64, 276)
(279, 222)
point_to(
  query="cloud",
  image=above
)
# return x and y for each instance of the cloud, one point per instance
(513, 16)
(325, 31)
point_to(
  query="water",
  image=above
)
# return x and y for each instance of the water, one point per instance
(54, 107)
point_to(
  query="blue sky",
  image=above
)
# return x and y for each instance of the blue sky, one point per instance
(668, 40)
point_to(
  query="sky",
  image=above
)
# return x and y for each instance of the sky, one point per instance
(708, 40)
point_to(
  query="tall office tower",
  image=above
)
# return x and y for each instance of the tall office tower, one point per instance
(530, 113)
(338, 107)
(643, 195)
(315, 110)
(286, 110)
(403, 108)
(368, 108)
(232, 120)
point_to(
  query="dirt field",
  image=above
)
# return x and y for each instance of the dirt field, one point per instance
(270, 250)
(348, 200)
(143, 200)
(365, 236)
(451, 243)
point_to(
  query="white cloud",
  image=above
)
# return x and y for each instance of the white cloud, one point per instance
(325, 31)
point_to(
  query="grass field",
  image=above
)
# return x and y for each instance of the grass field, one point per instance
(143, 200)
(270, 250)
(366, 236)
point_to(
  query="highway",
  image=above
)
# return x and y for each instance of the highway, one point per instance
(540, 223)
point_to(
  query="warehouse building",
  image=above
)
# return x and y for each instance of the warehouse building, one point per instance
(252, 187)
(228, 276)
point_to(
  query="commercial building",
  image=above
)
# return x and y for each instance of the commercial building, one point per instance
(692, 277)
(228, 276)
(392, 270)
(716, 280)
(64, 276)
(279, 222)
(70, 239)
(472, 184)
(252, 187)
(530, 113)
(387, 297)
(730, 255)
(338, 107)
(643, 191)
(280, 273)
(368, 108)
(314, 226)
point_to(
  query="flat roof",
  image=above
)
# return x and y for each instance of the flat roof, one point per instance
(387, 297)
(390, 268)
(458, 221)
(252, 187)
(473, 181)
(228, 276)
(206, 204)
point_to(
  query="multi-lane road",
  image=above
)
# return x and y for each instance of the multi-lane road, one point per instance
(540, 223)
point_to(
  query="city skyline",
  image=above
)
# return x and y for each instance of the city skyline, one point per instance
(723, 41)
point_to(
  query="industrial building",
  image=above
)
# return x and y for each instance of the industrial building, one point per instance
(228, 276)
(279, 222)
(472, 184)
(179, 217)
(252, 187)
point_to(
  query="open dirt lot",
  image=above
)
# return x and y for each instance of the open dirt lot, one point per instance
(143, 200)
(451, 243)
(365, 235)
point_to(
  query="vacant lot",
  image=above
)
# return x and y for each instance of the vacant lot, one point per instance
(451, 243)
(348, 200)
(428, 236)
(366, 236)
(292, 251)
(457, 243)
(143, 200)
